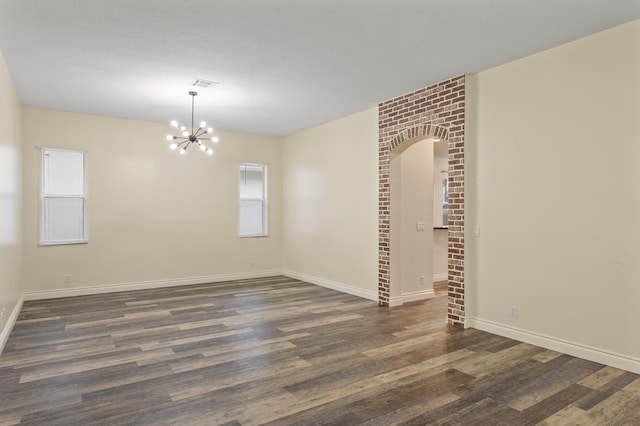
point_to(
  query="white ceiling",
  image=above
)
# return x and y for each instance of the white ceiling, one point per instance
(283, 65)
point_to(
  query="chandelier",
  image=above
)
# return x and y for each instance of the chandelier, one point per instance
(196, 136)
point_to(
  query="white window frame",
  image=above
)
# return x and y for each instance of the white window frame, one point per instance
(264, 199)
(44, 196)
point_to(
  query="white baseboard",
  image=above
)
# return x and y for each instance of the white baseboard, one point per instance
(440, 277)
(414, 296)
(11, 321)
(344, 288)
(395, 301)
(601, 356)
(143, 285)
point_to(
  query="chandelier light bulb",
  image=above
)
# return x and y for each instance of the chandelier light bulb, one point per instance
(215, 139)
(210, 130)
(210, 151)
(203, 124)
(203, 148)
(185, 134)
(183, 151)
(183, 128)
(174, 123)
(173, 146)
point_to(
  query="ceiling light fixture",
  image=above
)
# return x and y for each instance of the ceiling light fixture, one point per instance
(195, 137)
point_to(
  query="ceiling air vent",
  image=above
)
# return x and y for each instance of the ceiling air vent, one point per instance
(203, 84)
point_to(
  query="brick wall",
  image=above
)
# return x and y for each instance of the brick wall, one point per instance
(435, 111)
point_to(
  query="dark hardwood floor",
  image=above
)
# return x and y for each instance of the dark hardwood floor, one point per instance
(281, 351)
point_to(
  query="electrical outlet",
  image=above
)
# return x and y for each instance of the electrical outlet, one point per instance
(514, 312)
(67, 279)
(3, 313)
(422, 281)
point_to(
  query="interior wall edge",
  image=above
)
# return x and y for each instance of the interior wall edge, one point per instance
(11, 321)
(334, 285)
(589, 353)
(145, 285)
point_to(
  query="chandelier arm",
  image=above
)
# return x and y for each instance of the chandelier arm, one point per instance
(203, 131)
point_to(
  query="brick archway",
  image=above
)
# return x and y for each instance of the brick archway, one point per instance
(416, 133)
(435, 111)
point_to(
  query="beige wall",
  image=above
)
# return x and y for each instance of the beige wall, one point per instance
(10, 202)
(440, 256)
(552, 175)
(153, 215)
(330, 204)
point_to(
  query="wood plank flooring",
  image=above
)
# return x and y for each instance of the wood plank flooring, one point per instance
(283, 352)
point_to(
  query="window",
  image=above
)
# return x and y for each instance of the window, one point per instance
(63, 200)
(253, 200)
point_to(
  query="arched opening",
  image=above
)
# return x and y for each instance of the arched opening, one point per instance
(413, 220)
(436, 111)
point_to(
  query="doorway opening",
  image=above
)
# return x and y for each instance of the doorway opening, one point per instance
(418, 220)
